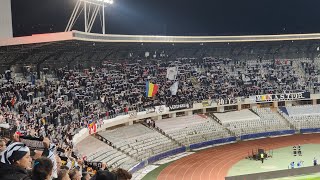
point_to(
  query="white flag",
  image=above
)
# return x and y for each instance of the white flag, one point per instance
(172, 73)
(174, 88)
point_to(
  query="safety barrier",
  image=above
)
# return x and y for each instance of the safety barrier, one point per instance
(266, 134)
(310, 130)
(166, 154)
(138, 167)
(212, 142)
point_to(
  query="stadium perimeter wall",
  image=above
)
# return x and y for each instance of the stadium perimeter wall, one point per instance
(129, 118)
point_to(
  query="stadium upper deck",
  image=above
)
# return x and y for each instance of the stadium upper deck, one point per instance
(61, 49)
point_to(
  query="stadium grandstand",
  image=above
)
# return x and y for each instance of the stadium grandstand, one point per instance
(93, 102)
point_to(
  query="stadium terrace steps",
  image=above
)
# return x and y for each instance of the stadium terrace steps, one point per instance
(252, 121)
(192, 129)
(219, 122)
(139, 141)
(101, 138)
(104, 153)
(203, 116)
(156, 128)
(281, 109)
(303, 117)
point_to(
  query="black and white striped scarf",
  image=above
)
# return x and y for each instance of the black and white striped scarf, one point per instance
(14, 152)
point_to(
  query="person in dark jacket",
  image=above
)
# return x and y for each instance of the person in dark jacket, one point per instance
(42, 169)
(15, 162)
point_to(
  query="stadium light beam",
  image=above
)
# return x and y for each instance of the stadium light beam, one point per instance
(91, 8)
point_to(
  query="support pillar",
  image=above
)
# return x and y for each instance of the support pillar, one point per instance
(314, 101)
(220, 109)
(239, 107)
(188, 113)
(253, 106)
(173, 115)
(288, 103)
(275, 104)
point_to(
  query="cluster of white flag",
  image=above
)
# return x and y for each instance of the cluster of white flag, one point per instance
(172, 73)
(174, 88)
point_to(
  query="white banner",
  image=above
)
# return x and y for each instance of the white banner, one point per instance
(160, 109)
(174, 88)
(172, 73)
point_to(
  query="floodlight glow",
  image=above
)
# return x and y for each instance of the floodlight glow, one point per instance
(99, 1)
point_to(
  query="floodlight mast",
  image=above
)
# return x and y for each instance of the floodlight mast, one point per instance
(91, 9)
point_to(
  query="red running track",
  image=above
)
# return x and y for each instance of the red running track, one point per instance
(214, 163)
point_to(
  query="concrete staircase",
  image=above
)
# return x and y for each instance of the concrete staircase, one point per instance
(284, 119)
(218, 121)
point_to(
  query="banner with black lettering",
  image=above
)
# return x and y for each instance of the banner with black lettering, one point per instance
(94, 165)
(227, 101)
(32, 143)
(180, 106)
(282, 97)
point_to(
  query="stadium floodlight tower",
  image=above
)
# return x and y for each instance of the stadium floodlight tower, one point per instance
(91, 9)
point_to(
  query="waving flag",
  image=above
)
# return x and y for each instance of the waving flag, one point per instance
(92, 127)
(151, 89)
(172, 73)
(174, 88)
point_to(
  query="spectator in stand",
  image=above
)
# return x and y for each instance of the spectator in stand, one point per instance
(104, 175)
(85, 176)
(122, 174)
(42, 169)
(15, 162)
(75, 174)
(59, 163)
(63, 175)
(3, 145)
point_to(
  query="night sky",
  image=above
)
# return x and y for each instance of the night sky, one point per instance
(176, 17)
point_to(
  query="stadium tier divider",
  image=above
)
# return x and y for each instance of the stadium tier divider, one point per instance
(213, 142)
(310, 130)
(267, 134)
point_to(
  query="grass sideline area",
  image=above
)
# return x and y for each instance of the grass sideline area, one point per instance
(154, 174)
(302, 177)
(316, 178)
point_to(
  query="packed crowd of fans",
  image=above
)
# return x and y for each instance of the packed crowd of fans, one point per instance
(55, 109)
(19, 162)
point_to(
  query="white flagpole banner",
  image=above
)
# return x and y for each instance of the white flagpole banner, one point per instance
(174, 88)
(172, 73)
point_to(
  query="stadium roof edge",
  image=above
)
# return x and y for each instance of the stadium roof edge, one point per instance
(82, 36)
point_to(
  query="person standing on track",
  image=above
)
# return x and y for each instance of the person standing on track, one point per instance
(262, 157)
(292, 165)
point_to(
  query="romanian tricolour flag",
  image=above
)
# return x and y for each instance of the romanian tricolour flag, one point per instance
(151, 89)
(92, 127)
